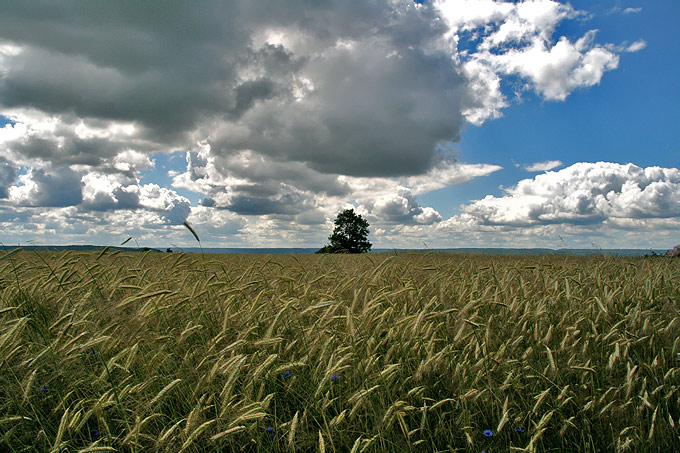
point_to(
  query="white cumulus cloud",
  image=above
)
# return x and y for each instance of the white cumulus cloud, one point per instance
(517, 39)
(583, 193)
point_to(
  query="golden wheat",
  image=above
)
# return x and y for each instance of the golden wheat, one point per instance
(423, 352)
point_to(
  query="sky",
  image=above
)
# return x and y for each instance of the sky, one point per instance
(444, 123)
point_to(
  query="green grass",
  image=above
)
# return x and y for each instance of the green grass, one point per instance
(415, 352)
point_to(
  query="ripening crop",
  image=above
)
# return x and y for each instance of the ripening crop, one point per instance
(374, 352)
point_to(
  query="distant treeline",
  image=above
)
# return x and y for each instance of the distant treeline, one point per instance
(302, 250)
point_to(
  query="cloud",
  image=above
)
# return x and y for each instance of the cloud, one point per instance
(353, 88)
(217, 224)
(543, 166)
(516, 39)
(252, 184)
(404, 209)
(603, 203)
(583, 193)
(285, 112)
(173, 207)
(109, 192)
(286, 204)
(8, 174)
(38, 139)
(635, 47)
(54, 188)
(448, 173)
(249, 183)
(130, 162)
(97, 192)
(374, 110)
(557, 70)
(207, 202)
(620, 10)
(322, 85)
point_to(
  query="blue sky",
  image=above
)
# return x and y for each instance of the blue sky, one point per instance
(452, 122)
(631, 116)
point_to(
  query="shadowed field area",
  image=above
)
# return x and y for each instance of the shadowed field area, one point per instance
(410, 352)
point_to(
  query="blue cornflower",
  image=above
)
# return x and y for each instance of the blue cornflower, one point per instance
(488, 433)
(94, 434)
(519, 430)
(44, 387)
(334, 377)
(286, 374)
(94, 354)
(270, 431)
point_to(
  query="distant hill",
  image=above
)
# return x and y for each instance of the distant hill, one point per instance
(77, 248)
(307, 250)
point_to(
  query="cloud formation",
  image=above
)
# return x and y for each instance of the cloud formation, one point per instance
(631, 10)
(253, 184)
(104, 192)
(359, 88)
(543, 166)
(403, 209)
(516, 39)
(634, 47)
(56, 188)
(286, 111)
(298, 84)
(8, 175)
(583, 193)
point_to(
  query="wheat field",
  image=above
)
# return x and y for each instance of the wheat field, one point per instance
(433, 352)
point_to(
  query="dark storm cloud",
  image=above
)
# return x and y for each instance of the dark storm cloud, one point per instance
(65, 150)
(164, 103)
(56, 188)
(101, 201)
(127, 199)
(286, 204)
(159, 64)
(249, 92)
(357, 87)
(8, 174)
(119, 198)
(268, 177)
(207, 202)
(371, 114)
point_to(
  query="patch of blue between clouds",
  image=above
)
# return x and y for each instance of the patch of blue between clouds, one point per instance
(516, 91)
(589, 18)
(468, 40)
(4, 121)
(158, 174)
(448, 200)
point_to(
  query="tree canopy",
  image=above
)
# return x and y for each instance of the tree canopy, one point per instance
(350, 234)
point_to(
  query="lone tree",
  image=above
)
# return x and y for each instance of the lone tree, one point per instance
(349, 236)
